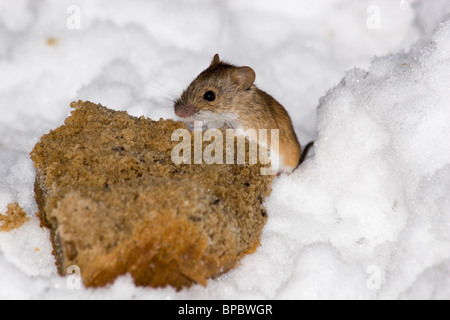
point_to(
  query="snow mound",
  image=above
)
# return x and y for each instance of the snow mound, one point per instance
(376, 193)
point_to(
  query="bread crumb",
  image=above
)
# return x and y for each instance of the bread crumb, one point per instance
(331, 34)
(52, 41)
(15, 217)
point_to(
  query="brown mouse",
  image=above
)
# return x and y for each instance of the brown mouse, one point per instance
(225, 95)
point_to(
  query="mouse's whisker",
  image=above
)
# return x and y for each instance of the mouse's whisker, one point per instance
(165, 90)
(164, 98)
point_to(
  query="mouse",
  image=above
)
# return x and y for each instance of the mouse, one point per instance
(225, 95)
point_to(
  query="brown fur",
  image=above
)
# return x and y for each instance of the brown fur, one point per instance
(237, 94)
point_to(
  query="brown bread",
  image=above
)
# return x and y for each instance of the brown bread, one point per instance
(115, 203)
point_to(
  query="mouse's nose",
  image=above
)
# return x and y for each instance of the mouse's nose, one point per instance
(184, 110)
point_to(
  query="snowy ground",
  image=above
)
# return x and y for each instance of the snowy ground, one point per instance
(368, 216)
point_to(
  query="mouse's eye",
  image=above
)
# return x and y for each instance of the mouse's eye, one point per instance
(209, 96)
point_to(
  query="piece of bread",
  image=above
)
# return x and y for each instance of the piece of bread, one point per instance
(14, 218)
(115, 203)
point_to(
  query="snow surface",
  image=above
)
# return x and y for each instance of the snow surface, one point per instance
(366, 217)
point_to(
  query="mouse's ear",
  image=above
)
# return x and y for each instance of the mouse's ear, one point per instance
(245, 77)
(215, 60)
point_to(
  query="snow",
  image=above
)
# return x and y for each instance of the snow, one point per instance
(368, 214)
